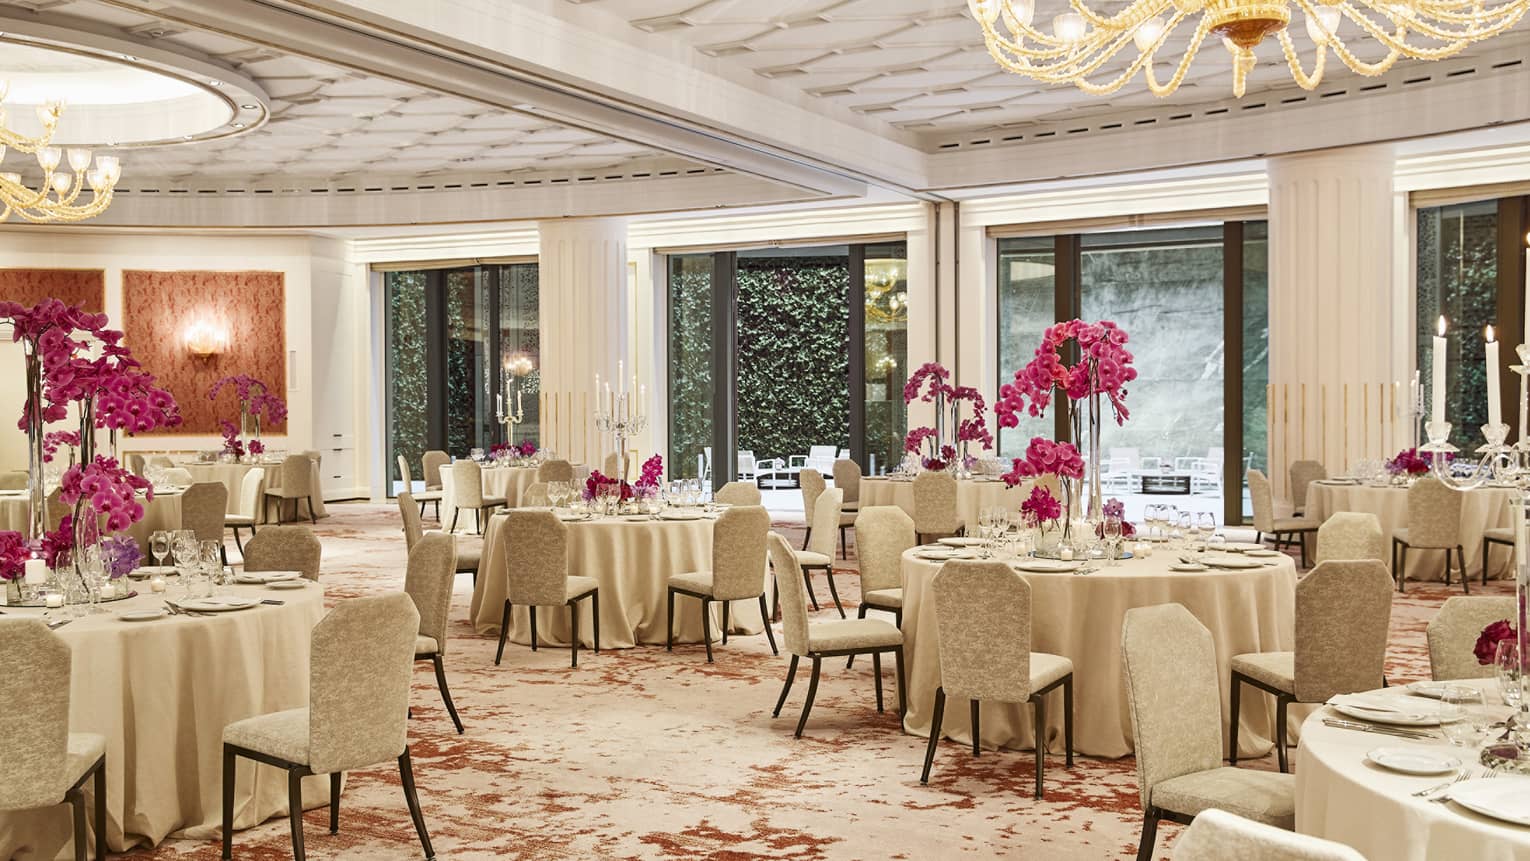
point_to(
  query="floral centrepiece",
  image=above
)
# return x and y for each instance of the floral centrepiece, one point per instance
(1116, 509)
(1041, 509)
(120, 554)
(1045, 457)
(1105, 367)
(1408, 462)
(930, 383)
(1486, 648)
(256, 403)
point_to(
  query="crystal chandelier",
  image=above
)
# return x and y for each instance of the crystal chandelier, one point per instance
(57, 196)
(1083, 44)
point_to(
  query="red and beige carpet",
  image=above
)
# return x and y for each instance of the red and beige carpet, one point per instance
(647, 754)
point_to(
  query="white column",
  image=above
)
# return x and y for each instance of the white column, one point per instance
(586, 329)
(1340, 327)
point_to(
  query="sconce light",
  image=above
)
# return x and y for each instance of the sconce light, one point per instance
(519, 364)
(205, 339)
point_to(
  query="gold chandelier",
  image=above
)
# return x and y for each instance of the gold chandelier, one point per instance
(57, 196)
(1083, 44)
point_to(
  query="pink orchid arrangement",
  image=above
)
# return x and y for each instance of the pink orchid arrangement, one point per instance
(929, 383)
(106, 490)
(14, 554)
(231, 442)
(1041, 508)
(1105, 367)
(932, 373)
(596, 483)
(652, 472)
(498, 449)
(120, 554)
(255, 398)
(1486, 648)
(1408, 462)
(1045, 457)
(1117, 509)
(526, 448)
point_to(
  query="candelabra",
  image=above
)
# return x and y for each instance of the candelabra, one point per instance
(517, 368)
(623, 419)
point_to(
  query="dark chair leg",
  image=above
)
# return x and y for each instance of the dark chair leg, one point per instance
(1484, 561)
(100, 801)
(533, 611)
(406, 777)
(1447, 566)
(446, 694)
(812, 692)
(595, 618)
(1466, 582)
(1280, 733)
(876, 673)
(1068, 718)
(295, 812)
(1402, 567)
(334, 803)
(504, 631)
(239, 544)
(706, 626)
(455, 512)
(228, 802)
(807, 536)
(902, 697)
(807, 581)
(1041, 739)
(1232, 731)
(791, 673)
(669, 622)
(844, 547)
(770, 633)
(977, 732)
(935, 720)
(725, 622)
(829, 573)
(1149, 836)
(76, 798)
(859, 614)
(313, 516)
(573, 634)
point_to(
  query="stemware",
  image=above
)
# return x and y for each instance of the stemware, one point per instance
(1113, 540)
(210, 564)
(159, 546)
(1152, 516)
(1469, 708)
(1506, 665)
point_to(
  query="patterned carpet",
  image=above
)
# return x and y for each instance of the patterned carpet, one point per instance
(644, 754)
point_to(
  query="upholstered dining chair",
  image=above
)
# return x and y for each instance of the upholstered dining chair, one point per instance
(1217, 835)
(204, 505)
(555, 470)
(1453, 633)
(430, 464)
(847, 477)
(43, 762)
(251, 488)
(1175, 705)
(812, 484)
(983, 625)
(1343, 611)
(1284, 531)
(611, 466)
(424, 497)
(296, 485)
(467, 492)
(1303, 473)
(935, 514)
(1350, 535)
(360, 665)
(428, 580)
(819, 555)
(535, 496)
(536, 557)
(1434, 523)
(882, 533)
(414, 529)
(14, 479)
(738, 493)
(1496, 535)
(285, 548)
(738, 574)
(821, 640)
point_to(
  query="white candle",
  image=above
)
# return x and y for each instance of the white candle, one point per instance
(1065, 553)
(157, 583)
(54, 600)
(1495, 402)
(499, 404)
(108, 590)
(1437, 414)
(1524, 408)
(36, 572)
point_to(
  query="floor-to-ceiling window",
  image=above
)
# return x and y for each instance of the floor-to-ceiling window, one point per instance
(1458, 280)
(885, 322)
(690, 363)
(1027, 306)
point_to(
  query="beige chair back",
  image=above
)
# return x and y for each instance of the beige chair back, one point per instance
(555, 470)
(14, 479)
(1172, 695)
(1216, 835)
(467, 484)
(611, 466)
(738, 553)
(812, 483)
(882, 533)
(136, 464)
(793, 595)
(203, 507)
(1351, 535)
(536, 555)
(297, 476)
(1453, 633)
(1434, 515)
(160, 461)
(1263, 500)
(1343, 614)
(738, 493)
(414, 528)
(284, 548)
(431, 463)
(847, 477)
(983, 624)
(57, 510)
(358, 692)
(935, 503)
(825, 521)
(535, 496)
(403, 473)
(428, 580)
(1303, 473)
(251, 488)
(34, 696)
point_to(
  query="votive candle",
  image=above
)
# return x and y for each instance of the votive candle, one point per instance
(54, 600)
(1437, 413)
(1495, 401)
(36, 572)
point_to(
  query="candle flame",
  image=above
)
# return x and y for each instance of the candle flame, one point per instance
(1489, 335)
(1441, 327)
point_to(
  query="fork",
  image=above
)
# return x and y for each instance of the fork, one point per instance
(1464, 774)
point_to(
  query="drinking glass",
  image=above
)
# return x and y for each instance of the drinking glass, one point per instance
(159, 545)
(1469, 713)
(1207, 522)
(1506, 663)
(1152, 517)
(1113, 539)
(210, 565)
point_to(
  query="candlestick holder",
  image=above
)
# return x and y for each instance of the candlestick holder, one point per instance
(517, 367)
(623, 421)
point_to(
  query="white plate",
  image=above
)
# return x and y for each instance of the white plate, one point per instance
(1187, 568)
(1048, 566)
(260, 578)
(221, 604)
(575, 518)
(1391, 710)
(1432, 690)
(141, 615)
(935, 555)
(1410, 760)
(1233, 562)
(635, 518)
(961, 542)
(1242, 546)
(1338, 482)
(1502, 798)
(1264, 553)
(681, 515)
(287, 584)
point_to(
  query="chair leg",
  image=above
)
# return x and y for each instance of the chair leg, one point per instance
(1068, 718)
(455, 512)
(1149, 836)
(76, 798)
(229, 759)
(446, 694)
(313, 515)
(573, 634)
(844, 547)
(829, 573)
(669, 621)
(977, 730)
(533, 611)
(859, 614)
(1466, 582)
(812, 692)
(876, 673)
(1402, 567)
(595, 618)
(1484, 561)
(725, 622)
(770, 633)
(807, 581)
(100, 811)
(295, 812)
(334, 802)
(1041, 740)
(929, 751)
(791, 673)
(1233, 701)
(706, 626)
(504, 632)
(406, 777)
(239, 544)
(1280, 733)
(902, 697)
(807, 536)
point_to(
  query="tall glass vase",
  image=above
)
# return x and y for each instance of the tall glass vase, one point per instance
(1096, 502)
(249, 424)
(37, 492)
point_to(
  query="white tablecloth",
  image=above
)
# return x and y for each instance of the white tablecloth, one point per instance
(231, 476)
(633, 562)
(972, 495)
(163, 512)
(509, 482)
(1341, 796)
(1483, 508)
(1079, 617)
(161, 692)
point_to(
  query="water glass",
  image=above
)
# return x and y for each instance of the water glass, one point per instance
(210, 563)
(159, 546)
(1506, 663)
(1468, 719)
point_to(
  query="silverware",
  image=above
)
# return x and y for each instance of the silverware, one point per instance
(1397, 732)
(1460, 776)
(1445, 796)
(55, 624)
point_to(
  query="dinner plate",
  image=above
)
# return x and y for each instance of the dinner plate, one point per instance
(260, 578)
(935, 555)
(1503, 798)
(1263, 553)
(153, 570)
(1390, 710)
(1432, 690)
(1338, 482)
(1233, 562)
(1187, 568)
(962, 542)
(287, 584)
(219, 604)
(1241, 546)
(636, 518)
(1413, 760)
(575, 518)
(681, 515)
(1048, 566)
(141, 615)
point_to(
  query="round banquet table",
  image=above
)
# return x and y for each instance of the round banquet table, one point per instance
(231, 476)
(1079, 616)
(632, 560)
(1481, 509)
(163, 512)
(1340, 796)
(509, 482)
(161, 693)
(972, 495)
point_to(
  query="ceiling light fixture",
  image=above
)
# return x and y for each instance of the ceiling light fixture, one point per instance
(56, 198)
(1084, 46)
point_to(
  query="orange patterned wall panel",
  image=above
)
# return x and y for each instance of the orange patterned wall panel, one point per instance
(250, 307)
(85, 288)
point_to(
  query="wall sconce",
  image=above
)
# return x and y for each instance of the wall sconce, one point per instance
(205, 339)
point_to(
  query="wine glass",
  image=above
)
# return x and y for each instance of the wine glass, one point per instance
(1506, 664)
(159, 545)
(210, 562)
(1152, 515)
(1113, 539)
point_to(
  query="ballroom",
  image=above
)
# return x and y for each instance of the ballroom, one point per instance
(820, 429)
